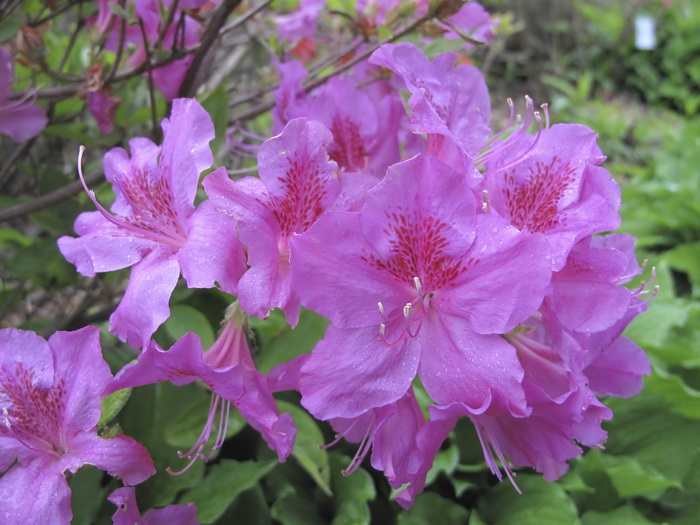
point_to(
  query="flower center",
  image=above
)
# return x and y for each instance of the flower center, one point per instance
(535, 203)
(31, 413)
(347, 148)
(303, 200)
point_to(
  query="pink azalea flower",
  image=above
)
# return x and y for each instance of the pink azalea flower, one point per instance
(449, 104)
(297, 185)
(50, 398)
(19, 119)
(403, 443)
(551, 183)
(301, 22)
(102, 107)
(156, 227)
(417, 282)
(471, 20)
(228, 369)
(128, 511)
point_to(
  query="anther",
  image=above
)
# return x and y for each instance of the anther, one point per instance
(381, 308)
(416, 281)
(545, 110)
(485, 205)
(382, 329)
(407, 310)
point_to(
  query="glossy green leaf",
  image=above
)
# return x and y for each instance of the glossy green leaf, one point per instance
(620, 516)
(540, 503)
(183, 319)
(112, 405)
(186, 428)
(222, 483)
(307, 451)
(430, 506)
(352, 493)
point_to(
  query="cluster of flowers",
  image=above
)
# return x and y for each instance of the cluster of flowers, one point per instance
(468, 21)
(147, 30)
(446, 258)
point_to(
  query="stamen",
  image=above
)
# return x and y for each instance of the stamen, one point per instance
(545, 110)
(416, 281)
(485, 204)
(382, 329)
(381, 308)
(509, 101)
(407, 311)
(362, 451)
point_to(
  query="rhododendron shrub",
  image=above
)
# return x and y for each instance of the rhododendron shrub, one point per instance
(458, 277)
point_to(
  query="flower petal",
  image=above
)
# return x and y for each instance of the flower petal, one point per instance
(351, 371)
(459, 365)
(83, 374)
(212, 252)
(35, 493)
(145, 304)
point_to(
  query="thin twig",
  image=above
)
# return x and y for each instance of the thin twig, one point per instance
(151, 90)
(16, 154)
(78, 26)
(169, 20)
(55, 13)
(49, 199)
(190, 83)
(120, 50)
(262, 108)
(242, 20)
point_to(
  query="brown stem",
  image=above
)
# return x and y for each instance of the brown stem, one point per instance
(49, 199)
(151, 91)
(191, 81)
(309, 86)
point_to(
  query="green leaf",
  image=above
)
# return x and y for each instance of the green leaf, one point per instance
(619, 516)
(351, 493)
(222, 484)
(295, 509)
(445, 461)
(645, 428)
(9, 27)
(540, 503)
(185, 319)
(286, 344)
(670, 387)
(112, 405)
(685, 258)
(632, 478)
(9, 237)
(312, 459)
(428, 506)
(185, 429)
(217, 106)
(87, 495)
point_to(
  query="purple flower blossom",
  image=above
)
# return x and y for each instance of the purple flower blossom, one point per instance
(297, 185)
(403, 443)
(300, 23)
(128, 512)
(102, 107)
(416, 283)
(551, 183)
(50, 398)
(155, 227)
(471, 20)
(20, 119)
(449, 104)
(228, 369)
